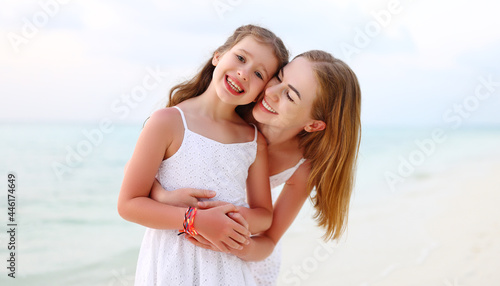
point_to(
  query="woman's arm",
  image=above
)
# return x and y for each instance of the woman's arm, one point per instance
(286, 208)
(259, 215)
(134, 203)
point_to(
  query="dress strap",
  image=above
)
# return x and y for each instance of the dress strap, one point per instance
(255, 136)
(183, 118)
(300, 163)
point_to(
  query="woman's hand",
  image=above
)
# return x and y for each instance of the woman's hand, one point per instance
(200, 241)
(222, 227)
(185, 197)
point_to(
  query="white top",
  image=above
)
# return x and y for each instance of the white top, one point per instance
(266, 271)
(168, 259)
(281, 178)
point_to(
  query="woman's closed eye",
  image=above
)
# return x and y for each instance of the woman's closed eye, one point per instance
(278, 77)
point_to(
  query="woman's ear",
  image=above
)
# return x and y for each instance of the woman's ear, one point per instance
(215, 59)
(315, 125)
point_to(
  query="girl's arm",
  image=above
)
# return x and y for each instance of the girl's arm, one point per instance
(258, 216)
(134, 204)
(184, 197)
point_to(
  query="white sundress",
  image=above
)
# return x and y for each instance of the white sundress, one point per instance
(266, 271)
(168, 259)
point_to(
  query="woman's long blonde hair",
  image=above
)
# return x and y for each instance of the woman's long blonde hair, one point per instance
(333, 151)
(200, 82)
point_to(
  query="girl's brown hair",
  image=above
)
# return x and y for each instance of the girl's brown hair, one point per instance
(333, 151)
(200, 82)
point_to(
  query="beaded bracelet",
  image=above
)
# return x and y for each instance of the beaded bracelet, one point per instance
(189, 222)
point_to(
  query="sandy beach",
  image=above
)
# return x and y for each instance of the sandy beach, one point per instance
(443, 230)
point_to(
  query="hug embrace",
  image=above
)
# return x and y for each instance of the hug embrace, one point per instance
(204, 171)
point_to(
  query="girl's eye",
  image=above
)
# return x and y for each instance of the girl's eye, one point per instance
(240, 58)
(259, 75)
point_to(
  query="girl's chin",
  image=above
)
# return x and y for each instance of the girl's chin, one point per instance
(260, 117)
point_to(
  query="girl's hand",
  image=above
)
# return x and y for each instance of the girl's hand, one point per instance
(236, 216)
(185, 197)
(200, 241)
(210, 204)
(217, 226)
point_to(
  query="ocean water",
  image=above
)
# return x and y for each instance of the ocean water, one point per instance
(68, 177)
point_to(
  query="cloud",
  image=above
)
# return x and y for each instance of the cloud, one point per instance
(425, 57)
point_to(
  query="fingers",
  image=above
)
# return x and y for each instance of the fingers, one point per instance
(224, 232)
(221, 247)
(233, 244)
(199, 244)
(241, 229)
(227, 208)
(199, 240)
(239, 219)
(212, 204)
(202, 194)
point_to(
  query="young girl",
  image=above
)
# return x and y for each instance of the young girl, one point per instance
(202, 143)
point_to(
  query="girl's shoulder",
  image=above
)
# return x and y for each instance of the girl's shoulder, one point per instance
(165, 119)
(167, 126)
(166, 113)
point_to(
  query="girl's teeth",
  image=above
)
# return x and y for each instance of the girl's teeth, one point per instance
(264, 103)
(233, 85)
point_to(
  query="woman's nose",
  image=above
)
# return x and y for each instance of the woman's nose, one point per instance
(272, 91)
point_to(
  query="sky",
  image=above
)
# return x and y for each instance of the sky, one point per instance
(419, 63)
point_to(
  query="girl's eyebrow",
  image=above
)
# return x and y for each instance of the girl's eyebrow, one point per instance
(290, 86)
(250, 55)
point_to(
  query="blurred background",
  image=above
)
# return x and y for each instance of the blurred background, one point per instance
(79, 78)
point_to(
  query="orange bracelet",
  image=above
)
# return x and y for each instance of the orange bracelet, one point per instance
(189, 222)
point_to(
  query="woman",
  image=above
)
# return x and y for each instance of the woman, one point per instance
(310, 116)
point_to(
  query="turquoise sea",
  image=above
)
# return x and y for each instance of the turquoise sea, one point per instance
(68, 177)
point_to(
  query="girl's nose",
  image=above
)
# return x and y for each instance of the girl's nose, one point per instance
(243, 73)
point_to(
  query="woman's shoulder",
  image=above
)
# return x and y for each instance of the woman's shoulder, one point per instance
(301, 174)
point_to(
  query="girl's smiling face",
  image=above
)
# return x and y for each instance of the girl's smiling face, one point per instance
(289, 97)
(242, 72)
